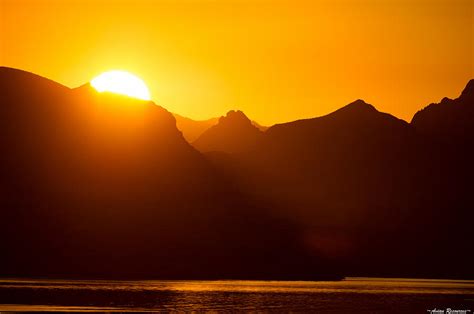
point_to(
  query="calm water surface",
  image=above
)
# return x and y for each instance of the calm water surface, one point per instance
(353, 295)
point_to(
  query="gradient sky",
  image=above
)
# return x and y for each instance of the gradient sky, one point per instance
(275, 60)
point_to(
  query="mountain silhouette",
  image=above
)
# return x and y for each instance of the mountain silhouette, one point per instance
(102, 185)
(451, 119)
(361, 183)
(192, 129)
(339, 163)
(233, 133)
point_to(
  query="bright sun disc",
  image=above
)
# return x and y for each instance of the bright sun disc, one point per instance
(121, 82)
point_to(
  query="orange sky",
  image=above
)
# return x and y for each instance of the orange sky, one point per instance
(275, 60)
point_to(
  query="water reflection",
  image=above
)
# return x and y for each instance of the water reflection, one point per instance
(365, 294)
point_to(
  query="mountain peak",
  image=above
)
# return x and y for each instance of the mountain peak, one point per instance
(234, 133)
(235, 117)
(358, 108)
(359, 105)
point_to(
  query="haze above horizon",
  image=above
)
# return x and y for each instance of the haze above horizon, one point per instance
(276, 60)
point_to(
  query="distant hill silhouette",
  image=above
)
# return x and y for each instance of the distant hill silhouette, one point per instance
(233, 133)
(101, 185)
(192, 129)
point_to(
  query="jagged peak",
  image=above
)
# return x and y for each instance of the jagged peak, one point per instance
(236, 114)
(468, 91)
(235, 117)
(466, 96)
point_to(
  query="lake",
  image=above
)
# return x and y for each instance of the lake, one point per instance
(352, 295)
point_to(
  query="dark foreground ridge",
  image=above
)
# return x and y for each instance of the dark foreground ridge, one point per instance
(104, 186)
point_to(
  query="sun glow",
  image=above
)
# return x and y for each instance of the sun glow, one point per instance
(121, 82)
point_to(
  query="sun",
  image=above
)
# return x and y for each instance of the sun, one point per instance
(121, 82)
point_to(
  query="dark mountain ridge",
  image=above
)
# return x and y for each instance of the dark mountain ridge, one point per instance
(361, 183)
(100, 185)
(449, 120)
